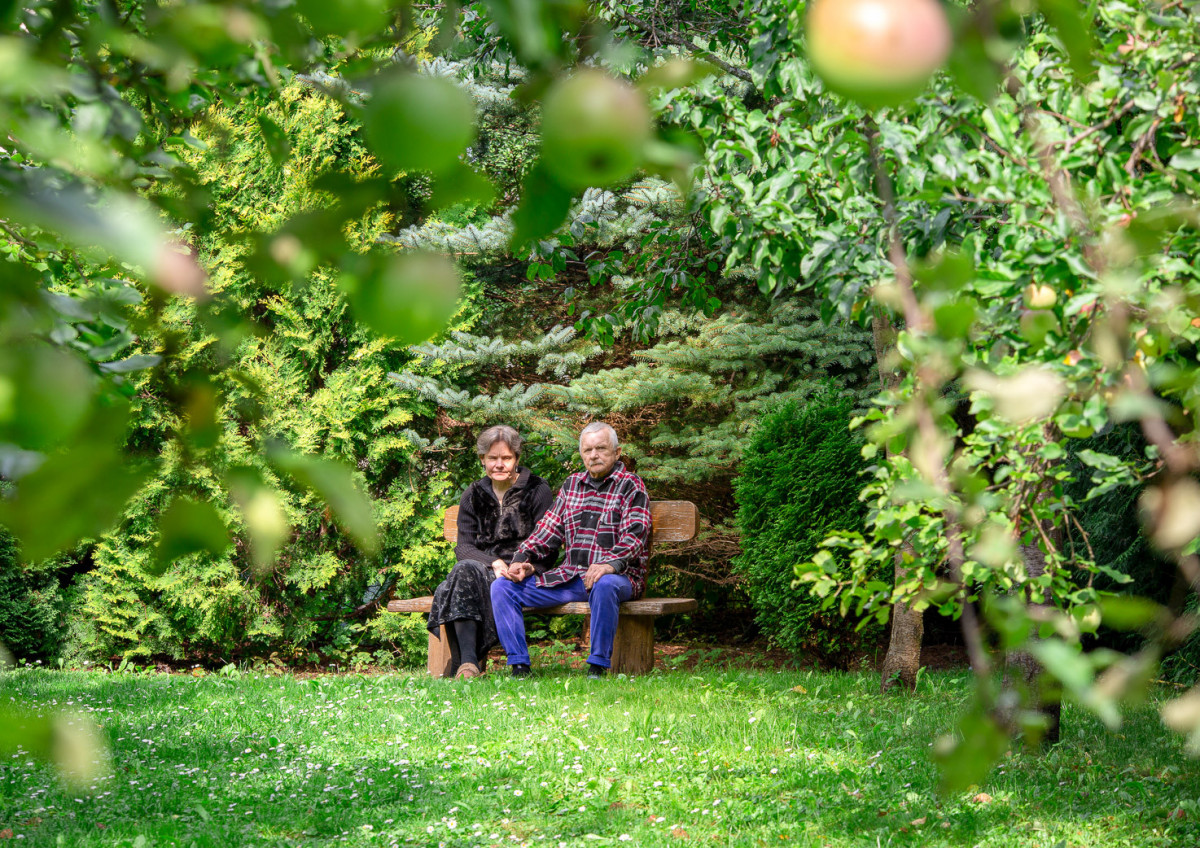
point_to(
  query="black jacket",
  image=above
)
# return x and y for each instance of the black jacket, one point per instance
(488, 531)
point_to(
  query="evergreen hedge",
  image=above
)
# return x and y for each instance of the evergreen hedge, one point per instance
(799, 481)
(32, 623)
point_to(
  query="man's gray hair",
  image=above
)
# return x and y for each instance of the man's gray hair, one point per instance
(499, 433)
(600, 427)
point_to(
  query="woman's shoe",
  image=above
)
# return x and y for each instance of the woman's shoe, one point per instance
(467, 670)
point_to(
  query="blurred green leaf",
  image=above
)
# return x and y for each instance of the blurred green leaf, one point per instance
(334, 483)
(965, 757)
(119, 225)
(955, 319)
(460, 185)
(1066, 663)
(340, 17)
(278, 145)
(1130, 612)
(970, 64)
(543, 207)
(137, 362)
(1186, 160)
(1072, 21)
(186, 527)
(45, 393)
(262, 513)
(71, 741)
(675, 73)
(76, 493)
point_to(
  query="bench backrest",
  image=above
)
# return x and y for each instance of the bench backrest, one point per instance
(671, 521)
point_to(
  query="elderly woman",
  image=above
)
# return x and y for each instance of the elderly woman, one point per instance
(495, 515)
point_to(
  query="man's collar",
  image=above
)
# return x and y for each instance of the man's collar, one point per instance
(612, 472)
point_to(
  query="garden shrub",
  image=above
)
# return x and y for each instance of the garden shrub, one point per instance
(310, 379)
(31, 608)
(800, 482)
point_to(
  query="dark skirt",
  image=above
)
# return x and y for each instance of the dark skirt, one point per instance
(466, 593)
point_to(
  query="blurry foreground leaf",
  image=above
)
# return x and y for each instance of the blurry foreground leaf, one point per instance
(965, 757)
(460, 185)
(338, 17)
(76, 493)
(1172, 513)
(408, 298)
(187, 527)
(544, 205)
(100, 224)
(1183, 716)
(1072, 21)
(44, 394)
(70, 741)
(675, 73)
(335, 484)
(1030, 394)
(276, 139)
(262, 514)
(1129, 613)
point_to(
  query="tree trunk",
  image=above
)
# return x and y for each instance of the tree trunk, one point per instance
(903, 657)
(1022, 669)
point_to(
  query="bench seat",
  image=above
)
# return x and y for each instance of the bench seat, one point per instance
(633, 646)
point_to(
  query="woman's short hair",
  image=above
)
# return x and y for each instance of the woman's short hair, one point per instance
(600, 427)
(499, 433)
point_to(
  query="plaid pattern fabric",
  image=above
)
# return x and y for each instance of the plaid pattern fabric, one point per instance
(594, 522)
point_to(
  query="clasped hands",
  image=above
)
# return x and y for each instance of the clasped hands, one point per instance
(518, 571)
(514, 571)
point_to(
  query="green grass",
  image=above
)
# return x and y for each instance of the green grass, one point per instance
(726, 757)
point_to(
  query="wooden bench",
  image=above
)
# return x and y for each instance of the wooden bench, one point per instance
(633, 646)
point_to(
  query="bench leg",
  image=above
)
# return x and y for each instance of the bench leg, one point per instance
(439, 654)
(633, 647)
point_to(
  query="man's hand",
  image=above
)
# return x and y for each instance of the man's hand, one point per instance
(500, 568)
(595, 573)
(518, 571)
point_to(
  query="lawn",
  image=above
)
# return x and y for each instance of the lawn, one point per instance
(721, 757)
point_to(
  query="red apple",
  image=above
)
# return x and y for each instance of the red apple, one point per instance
(878, 52)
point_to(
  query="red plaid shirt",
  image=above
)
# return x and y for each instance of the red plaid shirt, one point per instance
(595, 521)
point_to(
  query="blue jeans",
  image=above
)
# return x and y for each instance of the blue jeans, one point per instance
(605, 598)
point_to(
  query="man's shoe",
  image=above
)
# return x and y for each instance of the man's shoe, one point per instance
(520, 670)
(467, 670)
(595, 672)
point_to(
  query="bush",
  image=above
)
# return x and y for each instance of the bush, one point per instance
(31, 608)
(800, 481)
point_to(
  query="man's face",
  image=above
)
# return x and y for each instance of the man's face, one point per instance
(598, 456)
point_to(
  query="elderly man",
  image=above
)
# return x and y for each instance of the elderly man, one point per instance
(601, 518)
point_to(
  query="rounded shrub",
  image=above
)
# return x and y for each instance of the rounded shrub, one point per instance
(799, 481)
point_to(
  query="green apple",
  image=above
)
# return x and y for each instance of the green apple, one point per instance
(594, 129)
(1039, 296)
(419, 123)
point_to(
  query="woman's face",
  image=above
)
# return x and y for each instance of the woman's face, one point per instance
(500, 463)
